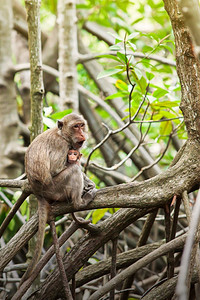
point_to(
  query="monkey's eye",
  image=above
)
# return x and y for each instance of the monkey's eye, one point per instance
(76, 126)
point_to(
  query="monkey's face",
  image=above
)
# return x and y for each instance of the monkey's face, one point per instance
(73, 156)
(78, 135)
(73, 128)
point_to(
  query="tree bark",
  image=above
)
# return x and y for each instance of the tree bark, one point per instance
(68, 54)
(188, 69)
(9, 121)
(36, 89)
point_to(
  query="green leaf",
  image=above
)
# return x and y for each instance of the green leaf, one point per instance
(115, 48)
(16, 195)
(168, 114)
(48, 122)
(168, 48)
(137, 20)
(157, 117)
(149, 76)
(110, 56)
(151, 98)
(122, 57)
(24, 208)
(143, 84)
(166, 128)
(61, 114)
(169, 103)
(108, 72)
(147, 48)
(83, 6)
(132, 35)
(160, 93)
(116, 95)
(132, 46)
(120, 84)
(98, 214)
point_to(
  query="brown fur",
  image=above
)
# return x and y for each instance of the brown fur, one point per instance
(75, 183)
(49, 177)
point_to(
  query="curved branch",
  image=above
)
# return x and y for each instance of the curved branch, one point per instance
(90, 56)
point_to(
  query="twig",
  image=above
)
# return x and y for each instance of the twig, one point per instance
(186, 206)
(158, 121)
(160, 157)
(172, 236)
(87, 57)
(112, 132)
(182, 285)
(113, 270)
(63, 275)
(12, 183)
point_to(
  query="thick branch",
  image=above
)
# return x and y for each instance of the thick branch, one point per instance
(186, 60)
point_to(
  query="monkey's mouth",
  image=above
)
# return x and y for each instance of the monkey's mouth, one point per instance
(79, 144)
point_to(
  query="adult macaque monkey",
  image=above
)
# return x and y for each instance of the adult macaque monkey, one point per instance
(48, 173)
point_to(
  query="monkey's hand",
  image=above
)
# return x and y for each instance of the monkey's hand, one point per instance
(89, 190)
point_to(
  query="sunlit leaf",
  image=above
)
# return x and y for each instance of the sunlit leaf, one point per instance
(108, 72)
(159, 92)
(157, 117)
(132, 46)
(116, 95)
(120, 84)
(116, 48)
(147, 48)
(61, 114)
(122, 57)
(110, 56)
(98, 214)
(132, 35)
(150, 76)
(48, 122)
(166, 128)
(168, 48)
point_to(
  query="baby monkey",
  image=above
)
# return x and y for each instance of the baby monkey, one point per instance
(74, 184)
(73, 156)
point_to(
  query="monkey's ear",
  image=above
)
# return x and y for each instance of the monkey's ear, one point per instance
(60, 124)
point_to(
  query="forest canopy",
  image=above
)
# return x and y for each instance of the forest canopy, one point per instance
(131, 69)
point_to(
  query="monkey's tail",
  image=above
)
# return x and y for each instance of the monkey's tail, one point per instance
(43, 209)
(80, 221)
(13, 211)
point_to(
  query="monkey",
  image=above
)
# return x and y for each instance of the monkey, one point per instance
(75, 183)
(48, 172)
(73, 157)
(74, 186)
